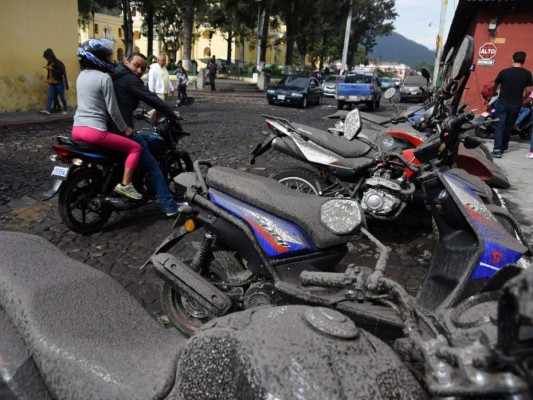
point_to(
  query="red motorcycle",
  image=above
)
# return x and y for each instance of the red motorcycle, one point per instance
(522, 129)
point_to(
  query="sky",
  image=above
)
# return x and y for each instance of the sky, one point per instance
(419, 20)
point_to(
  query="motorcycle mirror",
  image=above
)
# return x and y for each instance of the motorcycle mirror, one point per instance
(426, 74)
(472, 142)
(352, 124)
(389, 93)
(463, 59)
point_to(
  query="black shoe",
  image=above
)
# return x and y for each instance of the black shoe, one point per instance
(497, 153)
(504, 148)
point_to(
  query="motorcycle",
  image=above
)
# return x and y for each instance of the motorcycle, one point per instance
(92, 340)
(343, 166)
(523, 129)
(258, 239)
(85, 184)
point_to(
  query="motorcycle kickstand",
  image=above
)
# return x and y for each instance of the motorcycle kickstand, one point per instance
(202, 257)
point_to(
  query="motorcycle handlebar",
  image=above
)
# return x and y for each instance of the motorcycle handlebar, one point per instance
(454, 124)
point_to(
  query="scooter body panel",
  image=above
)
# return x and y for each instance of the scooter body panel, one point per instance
(278, 237)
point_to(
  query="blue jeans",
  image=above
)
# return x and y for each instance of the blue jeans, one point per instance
(154, 177)
(507, 114)
(56, 89)
(524, 112)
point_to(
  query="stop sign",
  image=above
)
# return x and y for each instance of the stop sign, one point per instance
(487, 51)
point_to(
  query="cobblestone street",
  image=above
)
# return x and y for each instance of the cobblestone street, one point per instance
(224, 130)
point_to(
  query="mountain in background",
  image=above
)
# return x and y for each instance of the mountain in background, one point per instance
(397, 48)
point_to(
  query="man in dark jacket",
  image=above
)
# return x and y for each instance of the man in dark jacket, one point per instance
(129, 91)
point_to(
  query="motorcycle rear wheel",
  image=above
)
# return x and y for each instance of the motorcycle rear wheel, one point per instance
(186, 314)
(75, 204)
(299, 179)
(175, 167)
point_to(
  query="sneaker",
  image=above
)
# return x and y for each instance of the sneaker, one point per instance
(529, 155)
(45, 112)
(497, 153)
(175, 213)
(128, 191)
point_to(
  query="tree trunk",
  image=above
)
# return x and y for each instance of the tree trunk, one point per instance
(241, 52)
(188, 21)
(230, 42)
(150, 27)
(128, 26)
(264, 32)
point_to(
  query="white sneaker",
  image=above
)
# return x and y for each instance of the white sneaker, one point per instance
(529, 155)
(128, 191)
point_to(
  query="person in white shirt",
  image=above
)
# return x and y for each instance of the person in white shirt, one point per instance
(158, 80)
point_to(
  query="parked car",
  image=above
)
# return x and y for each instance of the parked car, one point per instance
(386, 82)
(414, 88)
(296, 90)
(330, 84)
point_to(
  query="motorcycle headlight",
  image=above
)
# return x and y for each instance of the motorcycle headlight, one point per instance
(341, 216)
(388, 142)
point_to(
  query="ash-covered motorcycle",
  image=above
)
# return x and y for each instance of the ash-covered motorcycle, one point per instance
(85, 175)
(88, 338)
(259, 237)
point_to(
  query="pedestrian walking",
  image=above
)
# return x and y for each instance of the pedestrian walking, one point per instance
(57, 82)
(181, 77)
(514, 84)
(212, 71)
(97, 103)
(159, 80)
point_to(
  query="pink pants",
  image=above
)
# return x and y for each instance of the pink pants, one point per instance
(109, 141)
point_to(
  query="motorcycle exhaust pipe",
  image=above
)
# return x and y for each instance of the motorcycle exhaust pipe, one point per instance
(288, 147)
(184, 279)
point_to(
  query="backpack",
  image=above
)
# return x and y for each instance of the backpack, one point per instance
(488, 90)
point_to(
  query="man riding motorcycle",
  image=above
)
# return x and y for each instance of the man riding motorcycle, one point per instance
(130, 90)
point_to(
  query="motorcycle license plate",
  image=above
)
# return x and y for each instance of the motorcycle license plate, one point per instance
(60, 172)
(281, 97)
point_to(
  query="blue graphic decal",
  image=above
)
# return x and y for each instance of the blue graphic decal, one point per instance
(278, 237)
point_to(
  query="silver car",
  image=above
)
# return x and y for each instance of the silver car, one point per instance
(330, 84)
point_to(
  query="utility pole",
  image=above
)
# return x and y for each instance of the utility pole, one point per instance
(347, 39)
(440, 41)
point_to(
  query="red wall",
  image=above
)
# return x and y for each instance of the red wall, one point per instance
(514, 33)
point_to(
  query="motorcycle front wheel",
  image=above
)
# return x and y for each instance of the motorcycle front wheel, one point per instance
(76, 205)
(185, 313)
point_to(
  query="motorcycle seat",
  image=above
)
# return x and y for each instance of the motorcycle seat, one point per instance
(270, 195)
(343, 147)
(88, 337)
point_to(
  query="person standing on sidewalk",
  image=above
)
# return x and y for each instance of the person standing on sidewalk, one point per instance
(159, 80)
(515, 85)
(529, 103)
(182, 79)
(57, 81)
(212, 71)
(130, 90)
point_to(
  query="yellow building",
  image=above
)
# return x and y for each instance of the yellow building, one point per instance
(27, 28)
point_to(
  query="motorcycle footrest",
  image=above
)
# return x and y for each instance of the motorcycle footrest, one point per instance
(183, 278)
